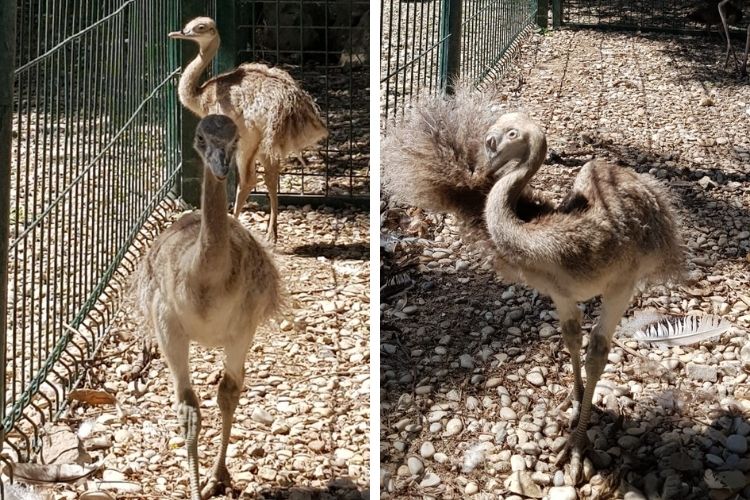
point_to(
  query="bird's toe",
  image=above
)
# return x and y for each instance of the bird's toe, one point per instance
(572, 456)
(218, 484)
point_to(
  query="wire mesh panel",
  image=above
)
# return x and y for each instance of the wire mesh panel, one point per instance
(413, 39)
(488, 30)
(652, 15)
(95, 150)
(324, 45)
(416, 37)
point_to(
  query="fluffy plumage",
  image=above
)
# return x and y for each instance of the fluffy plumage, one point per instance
(207, 280)
(274, 116)
(614, 230)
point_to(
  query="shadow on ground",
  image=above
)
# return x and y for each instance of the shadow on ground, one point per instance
(663, 446)
(338, 489)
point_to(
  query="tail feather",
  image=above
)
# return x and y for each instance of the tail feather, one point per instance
(433, 156)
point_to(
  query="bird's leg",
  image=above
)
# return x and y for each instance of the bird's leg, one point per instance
(271, 176)
(228, 398)
(189, 416)
(614, 304)
(301, 160)
(174, 345)
(248, 176)
(570, 320)
(723, 15)
(571, 332)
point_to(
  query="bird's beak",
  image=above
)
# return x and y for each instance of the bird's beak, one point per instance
(497, 153)
(178, 35)
(219, 163)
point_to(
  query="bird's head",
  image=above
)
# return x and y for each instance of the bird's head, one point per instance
(216, 143)
(511, 140)
(201, 30)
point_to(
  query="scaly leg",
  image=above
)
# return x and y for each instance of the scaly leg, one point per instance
(723, 15)
(174, 345)
(614, 304)
(248, 176)
(570, 321)
(230, 388)
(271, 176)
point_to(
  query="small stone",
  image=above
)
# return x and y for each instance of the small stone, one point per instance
(471, 488)
(440, 458)
(535, 378)
(122, 436)
(737, 444)
(562, 493)
(267, 473)
(427, 450)
(261, 416)
(628, 442)
(517, 463)
(520, 482)
(702, 373)
(453, 427)
(280, 429)
(316, 445)
(415, 466)
(507, 413)
(343, 454)
(466, 361)
(559, 478)
(430, 480)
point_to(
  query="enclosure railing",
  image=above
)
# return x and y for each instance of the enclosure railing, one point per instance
(427, 45)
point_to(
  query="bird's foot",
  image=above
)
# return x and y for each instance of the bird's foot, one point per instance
(572, 401)
(271, 235)
(573, 455)
(217, 484)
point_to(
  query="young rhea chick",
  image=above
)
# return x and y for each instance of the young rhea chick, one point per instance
(615, 229)
(207, 280)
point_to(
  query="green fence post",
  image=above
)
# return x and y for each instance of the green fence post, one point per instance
(7, 61)
(542, 13)
(192, 169)
(450, 34)
(557, 12)
(226, 59)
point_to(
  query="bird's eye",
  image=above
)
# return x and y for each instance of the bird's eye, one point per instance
(512, 134)
(200, 140)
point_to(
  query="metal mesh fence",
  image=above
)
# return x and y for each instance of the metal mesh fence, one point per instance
(416, 38)
(324, 45)
(674, 16)
(95, 150)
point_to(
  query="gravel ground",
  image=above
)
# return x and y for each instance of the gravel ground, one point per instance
(302, 427)
(471, 366)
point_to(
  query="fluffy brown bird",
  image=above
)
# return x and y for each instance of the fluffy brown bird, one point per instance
(207, 280)
(274, 116)
(615, 230)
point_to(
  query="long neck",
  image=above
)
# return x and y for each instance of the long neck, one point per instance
(213, 249)
(508, 231)
(189, 82)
